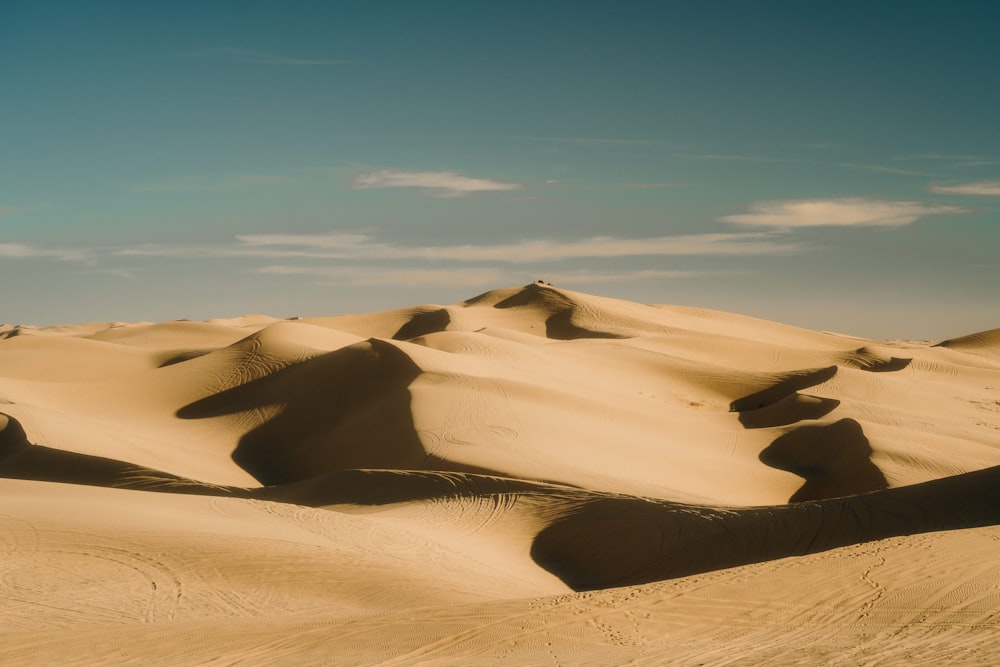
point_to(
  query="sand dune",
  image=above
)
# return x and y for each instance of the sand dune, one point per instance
(983, 342)
(532, 476)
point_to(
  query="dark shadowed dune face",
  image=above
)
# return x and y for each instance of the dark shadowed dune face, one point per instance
(618, 542)
(565, 318)
(344, 409)
(422, 324)
(788, 410)
(783, 388)
(834, 459)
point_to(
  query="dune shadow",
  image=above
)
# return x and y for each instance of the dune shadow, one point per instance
(834, 459)
(20, 459)
(610, 542)
(784, 387)
(560, 326)
(384, 487)
(180, 357)
(788, 410)
(349, 408)
(421, 324)
(559, 323)
(867, 359)
(890, 365)
(346, 409)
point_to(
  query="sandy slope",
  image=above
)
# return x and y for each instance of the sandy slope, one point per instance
(434, 483)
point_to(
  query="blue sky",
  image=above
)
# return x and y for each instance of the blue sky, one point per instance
(834, 165)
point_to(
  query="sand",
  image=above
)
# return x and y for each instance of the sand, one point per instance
(532, 476)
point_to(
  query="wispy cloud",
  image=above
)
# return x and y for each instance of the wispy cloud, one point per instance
(215, 183)
(477, 277)
(594, 278)
(956, 160)
(725, 157)
(435, 183)
(882, 169)
(359, 251)
(392, 277)
(32, 251)
(988, 188)
(950, 157)
(126, 274)
(359, 246)
(252, 57)
(596, 141)
(648, 186)
(846, 212)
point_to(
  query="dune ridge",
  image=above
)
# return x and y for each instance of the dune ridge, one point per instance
(530, 453)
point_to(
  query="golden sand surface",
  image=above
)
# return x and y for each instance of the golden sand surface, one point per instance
(534, 476)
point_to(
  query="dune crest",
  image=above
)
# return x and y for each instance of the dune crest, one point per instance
(533, 474)
(983, 342)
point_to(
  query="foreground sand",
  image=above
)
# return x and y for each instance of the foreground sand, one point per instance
(534, 476)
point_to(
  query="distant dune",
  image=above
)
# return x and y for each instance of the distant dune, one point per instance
(532, 476)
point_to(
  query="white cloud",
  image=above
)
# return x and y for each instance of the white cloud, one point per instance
(215, 183)
(989, 188)
(410, 277)
(270, 246)
(437, 183)
(591, 278)
(476, 277)
(385, 277)
(846, 212)
(30, 251)
(359, 246)
(648, 186)
(342, 241)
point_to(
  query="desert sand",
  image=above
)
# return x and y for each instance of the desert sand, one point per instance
(533, 476)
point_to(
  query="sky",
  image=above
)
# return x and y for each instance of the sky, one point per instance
(832, 165)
